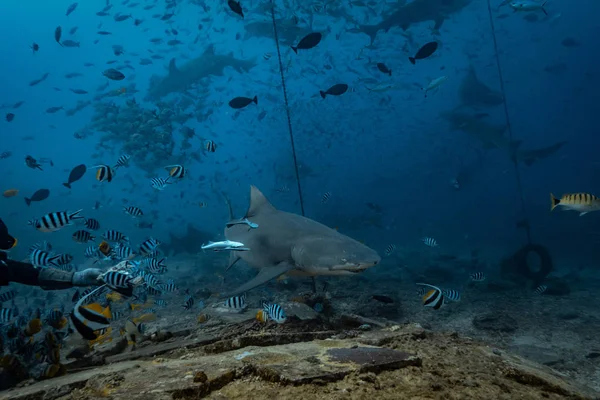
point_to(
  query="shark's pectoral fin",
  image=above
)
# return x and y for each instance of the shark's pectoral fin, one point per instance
(233, 258)
(265, 275)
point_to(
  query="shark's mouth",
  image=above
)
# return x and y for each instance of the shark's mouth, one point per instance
(352, 268)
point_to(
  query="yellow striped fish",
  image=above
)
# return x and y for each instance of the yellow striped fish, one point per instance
(580, 202)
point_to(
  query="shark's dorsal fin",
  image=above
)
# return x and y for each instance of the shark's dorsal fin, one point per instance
(258, 203)
(172, 67)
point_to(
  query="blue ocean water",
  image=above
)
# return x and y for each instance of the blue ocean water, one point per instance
(385, 162)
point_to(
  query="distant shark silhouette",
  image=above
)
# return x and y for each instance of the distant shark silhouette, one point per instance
(529, 157)
(414, 12)
(286, 243)
(474, 93)
(288, 33)
(492, 137)
(183, 78)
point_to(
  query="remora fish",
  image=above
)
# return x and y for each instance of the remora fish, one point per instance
(291, 244)
(225, 245)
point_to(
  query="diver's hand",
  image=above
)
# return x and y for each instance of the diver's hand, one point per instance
(87, 277)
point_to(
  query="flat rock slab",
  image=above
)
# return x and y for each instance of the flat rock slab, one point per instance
(196, 375)
(447, 366)
(323, 361)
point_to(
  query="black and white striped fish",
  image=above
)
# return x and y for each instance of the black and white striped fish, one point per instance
(44, 246)
(325, 198)
(540, 289)
(133, 211)
(160, 302)
(33, 222)
(390, 249)
(104, 173)
(82, 236)
(123, 252)
(92, 224)
(155, 266)
(477, 277)
(210, 146)
(148, 246)
(188, 303)
(57, 220)
(7, 296)
(168, 287)
(8, 314)
(64, 258)
(91, 251)
(434, 298)
(149, 279)
(119, 281)
(236, 302)
(115, 315)
(115, 236)
(122, 161)
(431, 242)
(176, 171)
(275, 312)
(42, 259)
(154, 291)
(159, 183)
(451, 294)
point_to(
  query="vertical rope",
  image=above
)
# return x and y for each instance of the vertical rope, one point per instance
(287, 108)
(508, 125)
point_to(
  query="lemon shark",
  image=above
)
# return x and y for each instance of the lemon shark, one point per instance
(180, 79)
(287, 243)
(414, 12)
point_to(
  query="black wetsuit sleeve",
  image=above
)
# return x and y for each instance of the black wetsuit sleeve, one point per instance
(16, 271)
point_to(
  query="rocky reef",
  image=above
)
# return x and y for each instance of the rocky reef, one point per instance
(247, 360)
